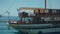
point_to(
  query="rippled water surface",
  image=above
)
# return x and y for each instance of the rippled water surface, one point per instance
(4, 29)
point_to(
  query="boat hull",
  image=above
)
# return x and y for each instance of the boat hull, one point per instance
(34, 28)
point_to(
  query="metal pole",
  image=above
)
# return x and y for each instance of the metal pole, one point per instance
(45, 3)
(45, 6)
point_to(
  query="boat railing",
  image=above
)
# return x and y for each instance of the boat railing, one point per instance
(35, 22)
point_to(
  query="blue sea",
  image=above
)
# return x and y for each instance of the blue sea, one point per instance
(4, 28)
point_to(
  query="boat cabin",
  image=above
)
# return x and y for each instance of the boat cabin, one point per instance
(38, 15)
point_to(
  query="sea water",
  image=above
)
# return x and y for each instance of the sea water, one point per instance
(4, 28)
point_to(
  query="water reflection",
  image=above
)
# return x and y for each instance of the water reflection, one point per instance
(21, 32)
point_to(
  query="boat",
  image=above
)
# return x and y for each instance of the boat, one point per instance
(40, 19)
(37, 20)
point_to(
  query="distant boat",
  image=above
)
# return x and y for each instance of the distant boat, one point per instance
(0, 15)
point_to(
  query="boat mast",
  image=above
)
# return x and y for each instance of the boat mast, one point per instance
(45, 3)
(45, 7)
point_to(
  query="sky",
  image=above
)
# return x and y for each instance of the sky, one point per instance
(13, 5)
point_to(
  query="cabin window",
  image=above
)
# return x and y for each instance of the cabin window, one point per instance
(57, 18)
(50, 10)
(53, 11)
(36, 11)
(41, 11)
(46, 11)
(58, 11)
